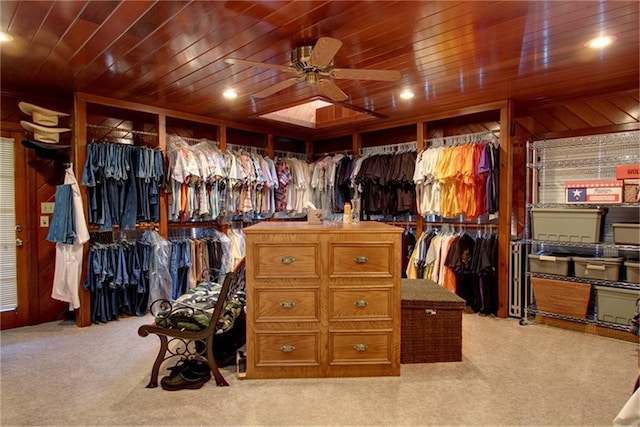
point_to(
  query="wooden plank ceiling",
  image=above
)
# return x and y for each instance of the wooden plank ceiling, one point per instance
(452, 54)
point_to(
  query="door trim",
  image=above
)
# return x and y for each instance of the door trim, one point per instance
(21, 315)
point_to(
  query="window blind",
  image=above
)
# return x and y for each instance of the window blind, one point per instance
(8, 272)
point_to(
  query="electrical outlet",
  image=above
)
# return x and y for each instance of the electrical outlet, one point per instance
(47, 207)
(44, 221)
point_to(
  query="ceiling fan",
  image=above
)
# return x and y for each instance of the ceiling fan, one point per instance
(314, 65)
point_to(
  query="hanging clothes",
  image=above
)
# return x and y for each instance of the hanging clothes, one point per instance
(191, 257)
(385, 182)
(127, 277)
(69, 253)
(123, 184)
(461, 262)
(207, 184)
(457, 180)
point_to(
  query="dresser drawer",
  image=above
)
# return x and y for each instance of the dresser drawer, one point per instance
(361, 259)
(283, 348)
(366, 304)
(295, 305)
(286, 260)
(359, 347)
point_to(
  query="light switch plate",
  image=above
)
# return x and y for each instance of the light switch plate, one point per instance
(47, 207)
(44, 220)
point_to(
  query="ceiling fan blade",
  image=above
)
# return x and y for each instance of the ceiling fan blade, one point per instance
(285, 68)
(277, 87)
(364, 74)
(324, 50)
(329, 89)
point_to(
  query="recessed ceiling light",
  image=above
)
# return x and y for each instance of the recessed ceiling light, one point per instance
(600, 42)
(230, 94)
(4, 37)
(406, 95)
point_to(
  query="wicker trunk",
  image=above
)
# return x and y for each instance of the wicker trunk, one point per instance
(431, 323)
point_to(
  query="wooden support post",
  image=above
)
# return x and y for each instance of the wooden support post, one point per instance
(506, 209)
(356, 143)
(161, 124)
(79, 156)
(270, 150)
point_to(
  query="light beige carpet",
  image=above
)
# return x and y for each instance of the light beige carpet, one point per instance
(534, 375)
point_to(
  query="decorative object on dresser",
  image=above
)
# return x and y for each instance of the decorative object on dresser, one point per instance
(323, 300)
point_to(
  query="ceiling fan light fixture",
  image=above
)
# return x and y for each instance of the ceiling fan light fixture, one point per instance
(312, 78)
(5, 37)
(314, 66)
(230, 94)
(600, 42)
(407, 94)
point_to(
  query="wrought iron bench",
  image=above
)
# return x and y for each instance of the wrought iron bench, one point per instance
(178, 343)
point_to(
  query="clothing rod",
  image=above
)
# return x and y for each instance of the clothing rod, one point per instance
(117, 129)
(392, 148)
(333, 153)
(467, 137)
(246, 148)
(301, 156)
(193, 140)
(466, 224)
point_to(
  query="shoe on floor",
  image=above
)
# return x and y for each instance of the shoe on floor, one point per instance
(186, 379)
(187, 374)
(196, 366)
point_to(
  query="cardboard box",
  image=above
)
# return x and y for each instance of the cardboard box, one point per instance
(594, 192)
(314, 216)
(631, 190)
(627, 171)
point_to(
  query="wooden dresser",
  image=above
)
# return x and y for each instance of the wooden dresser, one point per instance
(323, 300)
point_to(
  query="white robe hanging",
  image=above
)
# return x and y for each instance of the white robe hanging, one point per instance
(68, 265)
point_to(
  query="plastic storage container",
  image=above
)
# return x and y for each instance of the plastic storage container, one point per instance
(632, 269)
(549, 264)
(567, 225)
(616, 305)
(626, 233)
(598, 268)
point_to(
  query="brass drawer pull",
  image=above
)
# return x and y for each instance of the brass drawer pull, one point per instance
(360, 303)
(288, 348)
(287, 260)
(361, 259)
(360, 347)
(287, 304)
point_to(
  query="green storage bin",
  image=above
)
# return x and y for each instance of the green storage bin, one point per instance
(567, 225)
(633, 271)
(616, 305)
(598, 268)
(549, 264)
(626, 233)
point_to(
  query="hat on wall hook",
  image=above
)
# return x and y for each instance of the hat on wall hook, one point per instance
(45, 134)
(41, 116)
